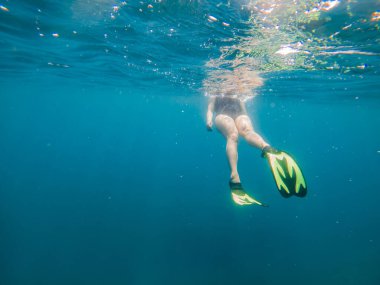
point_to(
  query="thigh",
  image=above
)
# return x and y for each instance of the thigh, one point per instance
(243, 124)
(226, 125)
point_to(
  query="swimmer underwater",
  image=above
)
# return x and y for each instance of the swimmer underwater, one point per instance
(231, 119)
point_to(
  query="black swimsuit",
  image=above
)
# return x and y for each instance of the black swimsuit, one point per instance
(228, 106)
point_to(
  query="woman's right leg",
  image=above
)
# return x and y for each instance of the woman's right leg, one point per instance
(226, 125)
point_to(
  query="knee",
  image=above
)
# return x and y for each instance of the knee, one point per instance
(245, 132)
(233, 137)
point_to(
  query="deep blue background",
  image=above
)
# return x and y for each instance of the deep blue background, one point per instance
(105, 185)
(107, 172)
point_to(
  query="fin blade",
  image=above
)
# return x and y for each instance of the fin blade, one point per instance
(287, 175)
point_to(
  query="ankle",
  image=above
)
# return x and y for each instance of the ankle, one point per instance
(264, 145)
(235, 178)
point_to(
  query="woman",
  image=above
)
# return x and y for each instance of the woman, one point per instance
(231, 120)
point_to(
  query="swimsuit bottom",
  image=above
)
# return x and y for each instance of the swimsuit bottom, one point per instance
(228, 106)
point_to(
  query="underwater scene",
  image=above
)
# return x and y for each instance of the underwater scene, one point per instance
(189, 142)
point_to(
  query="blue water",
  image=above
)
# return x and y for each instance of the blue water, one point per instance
(107, 172)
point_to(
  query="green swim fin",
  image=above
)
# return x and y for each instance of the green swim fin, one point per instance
(287, 174)
(240, 197)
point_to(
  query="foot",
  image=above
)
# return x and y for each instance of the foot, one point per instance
(268, 149)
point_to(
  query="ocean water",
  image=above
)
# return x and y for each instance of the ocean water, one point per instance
(107, 172)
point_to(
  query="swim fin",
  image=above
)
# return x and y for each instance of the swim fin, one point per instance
(240, 197)
(288, 176)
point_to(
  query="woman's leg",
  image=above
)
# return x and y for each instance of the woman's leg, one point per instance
(226, 125)
(245, 129)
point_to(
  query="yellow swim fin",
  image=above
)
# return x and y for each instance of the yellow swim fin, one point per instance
(287, 174)
(240, 197)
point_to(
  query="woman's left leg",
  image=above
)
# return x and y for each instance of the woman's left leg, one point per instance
(245, 129)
